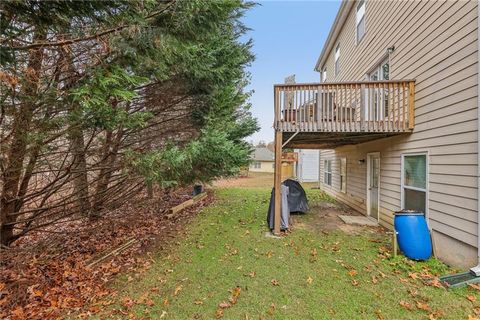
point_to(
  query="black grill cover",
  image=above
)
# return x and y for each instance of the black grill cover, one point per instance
(297, 198)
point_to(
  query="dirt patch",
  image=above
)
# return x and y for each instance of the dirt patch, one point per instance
(324, 217)
(252, 180)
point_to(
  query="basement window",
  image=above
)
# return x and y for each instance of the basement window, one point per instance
(414, 182)
(327, 178)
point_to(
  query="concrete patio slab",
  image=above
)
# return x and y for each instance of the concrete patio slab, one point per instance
(359, 220)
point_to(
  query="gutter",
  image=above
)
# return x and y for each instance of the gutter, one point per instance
(476, 270)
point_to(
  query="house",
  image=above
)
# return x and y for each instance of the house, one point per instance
(262, 160)
(395, 115)
(308, 165)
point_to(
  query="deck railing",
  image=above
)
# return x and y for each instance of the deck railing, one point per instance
(373, 106)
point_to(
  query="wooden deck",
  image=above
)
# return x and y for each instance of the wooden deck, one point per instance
(326, 115)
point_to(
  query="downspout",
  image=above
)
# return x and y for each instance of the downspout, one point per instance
(476, 270)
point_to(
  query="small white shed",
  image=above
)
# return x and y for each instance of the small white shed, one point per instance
(308, 165)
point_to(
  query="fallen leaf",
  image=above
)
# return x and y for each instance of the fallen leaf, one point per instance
(224, 305)
(476, 310)
(435, 283)
(413, 292)
(275, 282)
(406, 305)
(198, 302)
(413, 275)
(269, 254)
(355, 283)
(314, 252)
(219, 313)
(374, 280)
(271, 309)
(475, 286)
(251, 274)
(352, 273)
(470, 317)
(127, 302)
(379, 314)
(472, 298)
(235, 293)
(423, 306)
(166, 302)
(177, 290)
(309, 280)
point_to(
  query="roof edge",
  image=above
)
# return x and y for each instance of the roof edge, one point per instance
(342, 15)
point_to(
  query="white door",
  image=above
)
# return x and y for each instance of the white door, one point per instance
(373, 184)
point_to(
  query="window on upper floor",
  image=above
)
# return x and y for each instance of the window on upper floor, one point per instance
(337, 60)
(379, 100)
(360, 20)
(324, 75)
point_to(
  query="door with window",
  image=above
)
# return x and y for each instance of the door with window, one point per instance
(414, 182)
(373, 184)
(377, 98)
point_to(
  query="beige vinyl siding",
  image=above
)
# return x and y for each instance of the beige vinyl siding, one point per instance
(435, 44)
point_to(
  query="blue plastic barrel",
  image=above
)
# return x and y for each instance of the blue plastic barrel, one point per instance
(413, 236)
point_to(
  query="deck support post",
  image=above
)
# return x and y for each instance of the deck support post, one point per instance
(277, 181)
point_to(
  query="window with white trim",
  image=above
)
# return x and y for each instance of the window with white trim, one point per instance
(380, 98)
(343, 175)
(257, 164)
(327, 177)
(324, 75)
(337, 60)
(360, 20)
(414, 182)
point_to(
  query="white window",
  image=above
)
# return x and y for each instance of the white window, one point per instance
(360, 20)
(377, 100)
(324, 75)
(327, 178)
(414, 182)
(380, 71)
(337, 60)
(257, 165)
(343, 175)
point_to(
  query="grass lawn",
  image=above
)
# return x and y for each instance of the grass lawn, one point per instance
(306, 275)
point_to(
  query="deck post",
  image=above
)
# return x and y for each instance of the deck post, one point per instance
(411, 105)
(277, 181)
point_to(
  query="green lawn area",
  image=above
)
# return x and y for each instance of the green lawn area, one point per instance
(306, 275)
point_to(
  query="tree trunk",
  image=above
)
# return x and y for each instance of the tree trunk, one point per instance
(110, 155)
(77, 143)
(18, 146)
(80, 178)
